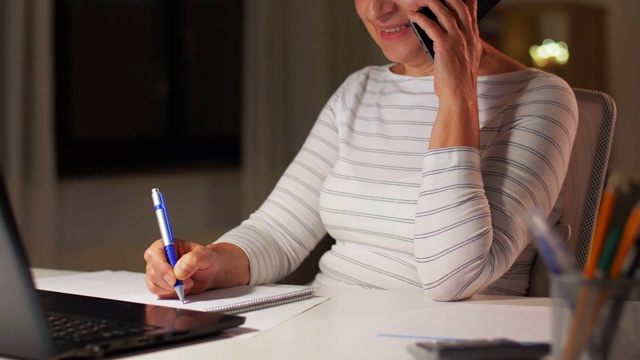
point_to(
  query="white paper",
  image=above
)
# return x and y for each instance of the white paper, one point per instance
(443, 321)
(131, 286)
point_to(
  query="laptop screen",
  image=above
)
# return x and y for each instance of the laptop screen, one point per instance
(26, 331)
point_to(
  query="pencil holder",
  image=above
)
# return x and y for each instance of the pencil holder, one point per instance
(595, 319)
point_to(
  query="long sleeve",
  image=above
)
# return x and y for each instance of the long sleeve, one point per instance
(470, 225)
(287, 226)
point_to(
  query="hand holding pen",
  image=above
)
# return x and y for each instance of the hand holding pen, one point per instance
(167, 235)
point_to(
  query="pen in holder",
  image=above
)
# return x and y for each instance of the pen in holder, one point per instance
(598, 320)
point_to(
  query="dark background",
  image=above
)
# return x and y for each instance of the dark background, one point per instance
(147, 84)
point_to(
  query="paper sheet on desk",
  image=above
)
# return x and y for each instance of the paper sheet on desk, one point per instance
(130, 286)
(474, 321)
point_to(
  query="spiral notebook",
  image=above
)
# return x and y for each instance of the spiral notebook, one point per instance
(264, 302)
(129, 286)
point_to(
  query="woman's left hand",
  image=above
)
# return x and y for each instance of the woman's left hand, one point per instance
(458, 49)
(456, 43)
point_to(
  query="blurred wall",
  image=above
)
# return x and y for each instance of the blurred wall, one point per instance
(622, 75)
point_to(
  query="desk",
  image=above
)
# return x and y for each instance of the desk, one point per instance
(344, 327)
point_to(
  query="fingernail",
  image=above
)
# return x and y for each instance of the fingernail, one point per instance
(169, 279)
(180, 270)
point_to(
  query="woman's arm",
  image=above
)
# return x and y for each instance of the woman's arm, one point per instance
(287, 226)
(470, 216)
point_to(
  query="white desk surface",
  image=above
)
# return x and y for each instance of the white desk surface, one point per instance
(344, 327)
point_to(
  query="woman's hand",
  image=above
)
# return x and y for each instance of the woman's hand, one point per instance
(458, 49)
(199, 267)
(456, 42)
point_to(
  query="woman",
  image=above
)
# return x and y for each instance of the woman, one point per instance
(422, 171)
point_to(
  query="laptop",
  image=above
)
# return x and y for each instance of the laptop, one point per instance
(39, 324)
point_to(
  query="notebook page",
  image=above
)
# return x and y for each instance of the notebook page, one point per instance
(131, 286)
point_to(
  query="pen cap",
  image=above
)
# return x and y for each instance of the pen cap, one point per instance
(155, 195)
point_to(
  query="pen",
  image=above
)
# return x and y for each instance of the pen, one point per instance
(629, 236)
(633, 266)
(603, 223)
(608, 252)
(581, 322)
(630, 267)
(160, 209)
(552, 249)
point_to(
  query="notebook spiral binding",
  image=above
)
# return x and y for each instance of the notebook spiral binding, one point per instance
(264, 302)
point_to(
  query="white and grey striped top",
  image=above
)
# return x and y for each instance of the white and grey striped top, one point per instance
(447, 221)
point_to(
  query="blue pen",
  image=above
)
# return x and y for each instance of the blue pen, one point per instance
(554, 253)
(167, 235)
(553, 250)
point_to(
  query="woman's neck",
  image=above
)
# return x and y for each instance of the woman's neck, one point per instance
(495, 62)
(415, 71)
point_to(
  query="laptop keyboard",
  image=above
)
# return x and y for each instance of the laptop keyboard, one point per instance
(67, 331)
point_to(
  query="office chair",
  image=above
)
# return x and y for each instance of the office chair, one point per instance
(584, 181)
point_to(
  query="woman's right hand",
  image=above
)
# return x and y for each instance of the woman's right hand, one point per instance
(199, 267)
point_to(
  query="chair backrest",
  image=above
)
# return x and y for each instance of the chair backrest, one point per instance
(584, 181)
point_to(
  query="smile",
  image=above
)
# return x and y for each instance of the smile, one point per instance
(396, 29)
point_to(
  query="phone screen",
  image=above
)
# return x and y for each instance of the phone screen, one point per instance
(484, 6)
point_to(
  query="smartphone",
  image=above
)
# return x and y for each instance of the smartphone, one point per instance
(470, 349)
(484, 6)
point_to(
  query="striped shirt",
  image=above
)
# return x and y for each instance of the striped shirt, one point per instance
(449, 221)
